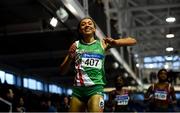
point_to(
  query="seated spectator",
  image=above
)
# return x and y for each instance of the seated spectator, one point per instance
(20, 105)
(65, 104)
(51, 108)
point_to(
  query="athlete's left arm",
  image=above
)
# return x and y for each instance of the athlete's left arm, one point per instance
(173, 95)
(110, 42)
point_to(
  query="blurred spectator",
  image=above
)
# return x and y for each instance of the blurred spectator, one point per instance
(65, 104)
(51, 107)
(20, 105)
(43, 103)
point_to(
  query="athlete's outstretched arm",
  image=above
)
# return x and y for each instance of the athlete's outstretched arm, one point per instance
(64, 67)
(120, 42)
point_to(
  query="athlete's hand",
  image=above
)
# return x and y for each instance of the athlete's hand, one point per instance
(109, 41)
(72, 51)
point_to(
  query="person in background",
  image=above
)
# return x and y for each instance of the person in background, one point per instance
(88, 56)
(119, 98)
(161, 95)
(65, 104)
(20, 105)
(50, 106)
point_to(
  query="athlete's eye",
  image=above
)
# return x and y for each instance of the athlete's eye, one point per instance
(90, 23)
(83, 23)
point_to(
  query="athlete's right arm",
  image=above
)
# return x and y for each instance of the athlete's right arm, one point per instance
(110, 42)
(64, 67)
(147, 95)
(111, 101)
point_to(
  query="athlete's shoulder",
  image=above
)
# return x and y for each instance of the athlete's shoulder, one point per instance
(113, 92)
(127, 90)
(103, 44)
(75, 43)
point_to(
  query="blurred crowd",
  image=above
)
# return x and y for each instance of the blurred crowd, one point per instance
(15, 99)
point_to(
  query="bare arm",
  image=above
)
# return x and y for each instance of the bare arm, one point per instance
(111, 101)
(64, 67)
(172, 92)
(119, 42)
(148, 93)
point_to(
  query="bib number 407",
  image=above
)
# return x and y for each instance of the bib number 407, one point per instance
(91, 62)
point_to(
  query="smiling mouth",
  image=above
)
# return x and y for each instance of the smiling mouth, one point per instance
(87, 30)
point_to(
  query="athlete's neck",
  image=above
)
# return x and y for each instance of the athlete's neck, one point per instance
(89, 39)
(162, 81)
(119, 88)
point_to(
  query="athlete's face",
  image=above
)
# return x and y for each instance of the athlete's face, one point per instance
(119, 82)
(163, 75)
(87, 27)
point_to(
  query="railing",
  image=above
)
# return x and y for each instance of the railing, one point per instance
(8, 103)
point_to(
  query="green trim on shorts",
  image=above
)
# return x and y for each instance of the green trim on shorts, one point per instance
(83, 93)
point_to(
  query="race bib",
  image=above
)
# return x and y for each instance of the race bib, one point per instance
(161, 95)
(91, 60)
(122, 99)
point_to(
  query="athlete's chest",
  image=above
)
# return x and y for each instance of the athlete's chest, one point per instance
(122, 98)
(161, 92)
